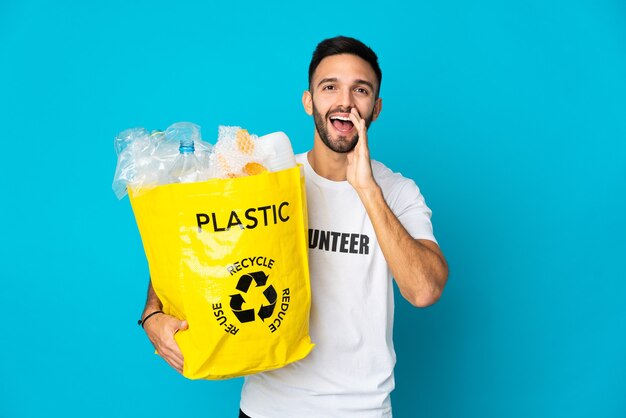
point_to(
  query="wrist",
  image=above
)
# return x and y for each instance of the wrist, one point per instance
(147, 316)
(370, 193)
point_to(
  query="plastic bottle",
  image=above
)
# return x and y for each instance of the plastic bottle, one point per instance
(277, 149)
(186, 168)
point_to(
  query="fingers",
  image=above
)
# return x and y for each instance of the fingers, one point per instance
(359, 173)
(161, 333)
(359, 123)
(172, 359)
(356, 119)
(170, 350)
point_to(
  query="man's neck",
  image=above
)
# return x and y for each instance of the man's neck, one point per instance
(326, 162)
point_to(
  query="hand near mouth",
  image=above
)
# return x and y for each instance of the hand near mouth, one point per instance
(359, 170)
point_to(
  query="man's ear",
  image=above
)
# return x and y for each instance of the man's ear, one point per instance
(378, 106)
(307, 102)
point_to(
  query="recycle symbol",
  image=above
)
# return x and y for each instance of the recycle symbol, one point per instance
(237, 300)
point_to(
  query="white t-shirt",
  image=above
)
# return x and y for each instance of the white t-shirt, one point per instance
(349, 373)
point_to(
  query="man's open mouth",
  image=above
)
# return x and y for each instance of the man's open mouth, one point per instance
(342, 123)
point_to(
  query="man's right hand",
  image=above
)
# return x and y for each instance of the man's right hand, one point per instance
(161, 329)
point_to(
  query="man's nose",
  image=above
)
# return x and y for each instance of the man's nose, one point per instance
(346, 98)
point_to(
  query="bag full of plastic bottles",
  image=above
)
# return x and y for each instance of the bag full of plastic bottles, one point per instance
(224, 230)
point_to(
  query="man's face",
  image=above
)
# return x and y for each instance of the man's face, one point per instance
(340, 83)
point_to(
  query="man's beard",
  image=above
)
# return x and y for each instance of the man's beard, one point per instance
(341, 144)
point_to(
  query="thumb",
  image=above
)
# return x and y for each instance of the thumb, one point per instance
(183, 325)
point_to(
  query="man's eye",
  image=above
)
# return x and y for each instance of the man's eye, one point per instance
(361, 90)
(330, 87)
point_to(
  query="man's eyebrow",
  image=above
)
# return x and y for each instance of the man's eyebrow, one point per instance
(367, 83)
(327, 80)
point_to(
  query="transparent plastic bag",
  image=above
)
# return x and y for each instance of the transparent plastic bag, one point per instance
(135, 165)
(179, 155)
(146, 160)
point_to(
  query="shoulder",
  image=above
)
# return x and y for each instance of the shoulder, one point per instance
(398, 190)
(387, 178)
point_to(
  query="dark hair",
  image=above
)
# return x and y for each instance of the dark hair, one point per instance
(344, 45)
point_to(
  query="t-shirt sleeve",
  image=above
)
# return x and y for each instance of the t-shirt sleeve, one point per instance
(410, 208)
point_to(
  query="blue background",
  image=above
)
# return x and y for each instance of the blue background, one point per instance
(510, 116)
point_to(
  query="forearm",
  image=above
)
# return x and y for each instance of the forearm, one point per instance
(153, 303)
(419, 268)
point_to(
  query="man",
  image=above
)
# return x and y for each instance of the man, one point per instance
(349, 373)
